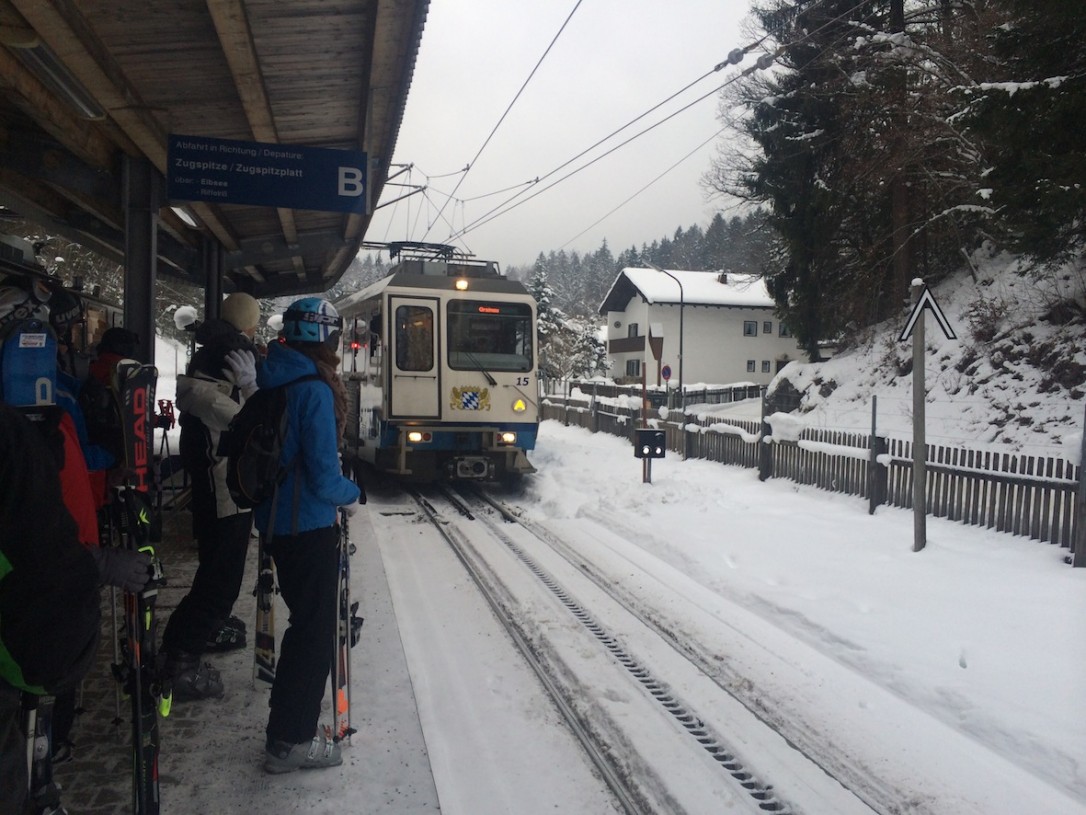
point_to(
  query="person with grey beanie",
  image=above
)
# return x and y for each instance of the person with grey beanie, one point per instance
(220, 377)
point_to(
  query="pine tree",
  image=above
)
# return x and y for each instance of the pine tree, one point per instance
(869, 177)
(1032, 120)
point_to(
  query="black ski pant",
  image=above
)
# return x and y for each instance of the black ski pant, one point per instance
(307, 567)
(223, 546)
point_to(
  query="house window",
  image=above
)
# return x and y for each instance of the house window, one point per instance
(785, 331)
(765, 366)
(781, 363)
(750, 366)
(750, 328)
(633, 367)
(631, 330)
(767, 327)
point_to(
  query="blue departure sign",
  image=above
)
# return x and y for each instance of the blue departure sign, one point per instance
(225, 171)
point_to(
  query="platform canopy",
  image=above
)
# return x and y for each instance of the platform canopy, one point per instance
(90, 89)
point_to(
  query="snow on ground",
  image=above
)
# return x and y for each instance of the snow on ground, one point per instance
(1013, 379)
(981, 630)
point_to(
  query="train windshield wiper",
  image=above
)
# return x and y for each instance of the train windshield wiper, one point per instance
(475, 361)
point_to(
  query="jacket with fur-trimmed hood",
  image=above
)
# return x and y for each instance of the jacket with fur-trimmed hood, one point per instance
(208, 398)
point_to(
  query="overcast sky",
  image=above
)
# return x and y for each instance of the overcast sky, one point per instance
(613, 62)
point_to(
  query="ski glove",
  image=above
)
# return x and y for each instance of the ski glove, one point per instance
(123, 568)
(242, 365)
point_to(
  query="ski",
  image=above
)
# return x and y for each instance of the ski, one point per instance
(134, 388)
(264, 638)
(348, 632)
(44, 792)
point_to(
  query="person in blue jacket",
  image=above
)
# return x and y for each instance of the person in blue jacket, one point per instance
(303, 535)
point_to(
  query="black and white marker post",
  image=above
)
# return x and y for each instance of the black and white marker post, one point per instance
(922, 301)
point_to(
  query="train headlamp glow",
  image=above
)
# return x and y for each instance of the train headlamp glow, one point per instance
(507, 437)
(519, 405)
(418, 436)
(461, 284)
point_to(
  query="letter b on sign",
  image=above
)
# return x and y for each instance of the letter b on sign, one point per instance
(351, 182)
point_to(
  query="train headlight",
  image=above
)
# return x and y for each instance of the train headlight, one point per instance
(418, 436)
(519, 405)
(461, 284)
(507, 437)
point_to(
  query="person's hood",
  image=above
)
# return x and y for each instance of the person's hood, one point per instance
(283, 365)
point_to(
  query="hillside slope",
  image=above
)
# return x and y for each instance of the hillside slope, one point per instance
(1013, 380)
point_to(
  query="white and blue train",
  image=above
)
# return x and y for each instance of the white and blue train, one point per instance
(439, 359)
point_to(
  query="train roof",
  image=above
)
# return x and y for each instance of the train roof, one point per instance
(434, 276)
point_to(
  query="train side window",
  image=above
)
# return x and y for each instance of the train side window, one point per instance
(414, 338)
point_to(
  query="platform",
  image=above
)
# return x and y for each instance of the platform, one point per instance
(212, 751)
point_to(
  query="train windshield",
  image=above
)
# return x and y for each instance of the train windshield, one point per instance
(490, 336)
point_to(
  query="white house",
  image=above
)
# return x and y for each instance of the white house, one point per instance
(724, 324)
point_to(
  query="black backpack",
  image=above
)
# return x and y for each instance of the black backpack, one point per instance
(253, 443)
(102, 416)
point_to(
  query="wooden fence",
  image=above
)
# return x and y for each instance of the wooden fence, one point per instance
(1040, 498)
(659, 397)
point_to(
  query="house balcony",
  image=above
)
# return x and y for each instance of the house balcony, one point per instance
(626, 345)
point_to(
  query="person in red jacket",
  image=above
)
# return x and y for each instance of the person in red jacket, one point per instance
(58, 424)
(48, 594)
(116, 344)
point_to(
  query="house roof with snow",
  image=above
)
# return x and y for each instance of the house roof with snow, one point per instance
(698, 288)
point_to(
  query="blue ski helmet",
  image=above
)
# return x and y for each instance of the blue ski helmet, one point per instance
(312, 319)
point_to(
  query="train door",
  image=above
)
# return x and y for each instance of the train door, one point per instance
(414, 384)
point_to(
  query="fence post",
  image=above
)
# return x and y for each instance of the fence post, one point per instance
(1078, 543)
(682, 433)
(595, 410)
(765, 455)
(876, 473)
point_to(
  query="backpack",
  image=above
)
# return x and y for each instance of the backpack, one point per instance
(28, 363)
(253, 443)
(102, 417)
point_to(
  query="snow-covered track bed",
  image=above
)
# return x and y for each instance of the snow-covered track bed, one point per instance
(652, 719)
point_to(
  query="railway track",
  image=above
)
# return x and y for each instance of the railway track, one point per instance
(678, 736)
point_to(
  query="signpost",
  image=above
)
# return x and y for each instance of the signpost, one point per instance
(225, 171)
(923, 301)
(665, 372)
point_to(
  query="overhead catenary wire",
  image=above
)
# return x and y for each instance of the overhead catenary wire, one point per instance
(763, 62)
(734, 56)
(638, 192)
(508, 108)
(508, 206)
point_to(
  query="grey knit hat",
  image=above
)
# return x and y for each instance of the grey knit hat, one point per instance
(241, 310)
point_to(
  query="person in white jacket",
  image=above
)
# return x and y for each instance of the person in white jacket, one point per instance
(220, 377)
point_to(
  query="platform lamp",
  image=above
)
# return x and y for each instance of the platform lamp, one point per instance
(682, 382)
(682, 309)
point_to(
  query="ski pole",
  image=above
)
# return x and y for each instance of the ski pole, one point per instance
(30, 705)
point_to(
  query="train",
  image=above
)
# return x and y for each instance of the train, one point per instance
(440, 364)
